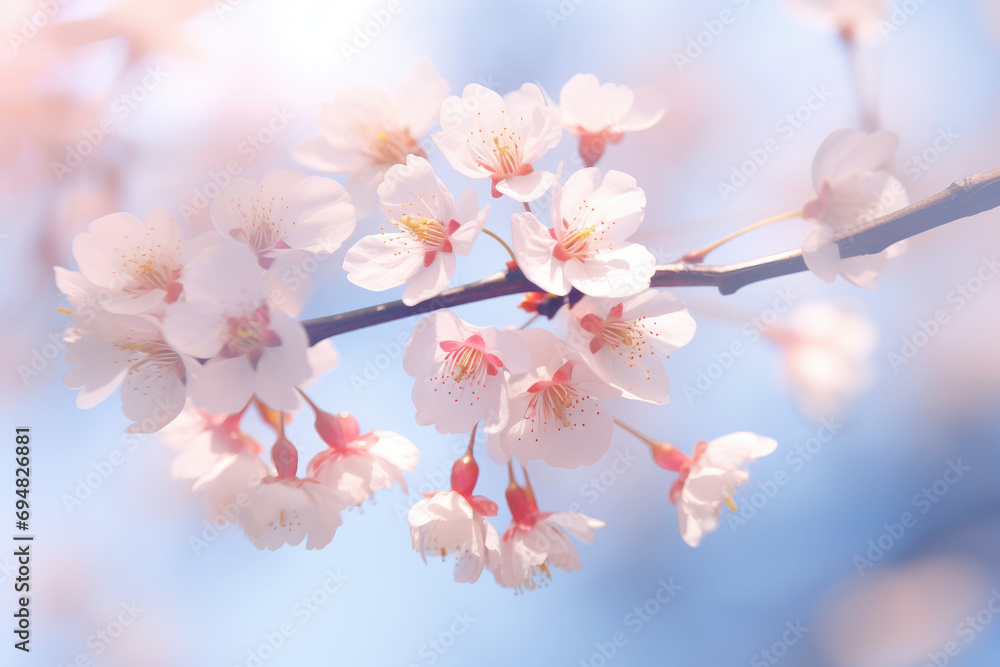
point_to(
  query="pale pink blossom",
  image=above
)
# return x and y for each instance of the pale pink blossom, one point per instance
(129, 351)
(711, 478)
(586, 247)
(852, 189)
(285, 508)
(455, 522)
(851, 18)
(137, 264)
(432, 230)
(110, 350)
(536, 541)
(364, 131)
(229, 485)
(624, 340)
(286, 511)
(252, 348)
(219, 457)
(827, 356)
(556, 411)
(357, 464)
(461, 372)
(202, 440)
(601, 114)
(285, 211)
(488, 136)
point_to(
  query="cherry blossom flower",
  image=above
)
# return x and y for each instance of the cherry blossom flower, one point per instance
(827, 356)
(252, 348)
(556, 413)
(537, 540)
(285, 211)
(138, 265)
(622, 339)
(710, 478)
(603, 114)
(433, 229)
(286, 511)
(129, 351)
(364, 131)
(359, 465)
(454, 521)
(204, 439)
(286, 508)
(110, 350)
(219, 457)
(461, 372)
(851, 18)
(586, 247)
(852, 189)
(488, 136)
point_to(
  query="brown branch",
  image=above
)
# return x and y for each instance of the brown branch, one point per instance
(964, 198)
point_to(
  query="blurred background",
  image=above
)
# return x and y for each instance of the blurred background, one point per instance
(816, 568)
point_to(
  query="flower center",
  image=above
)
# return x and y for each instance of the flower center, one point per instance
(503, 159)
(554, 400)
(153, 276)
(158, 358)
(392, 147)
(575, 243)
(427, 231)
(469, 360)
(506, 159)
(625, 337)
(249, 334)
(263, 233)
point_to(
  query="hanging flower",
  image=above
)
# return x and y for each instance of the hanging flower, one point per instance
(536, 541)
(455, 521)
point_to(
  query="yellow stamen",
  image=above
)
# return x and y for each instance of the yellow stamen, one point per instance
(732, 505)
(506, 158)
(425, 230)
(65, 311)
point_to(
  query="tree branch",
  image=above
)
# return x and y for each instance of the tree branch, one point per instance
(964, 198)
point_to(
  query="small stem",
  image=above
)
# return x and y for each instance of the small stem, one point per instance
(867, 104)
(503, 243)
(308, 400)
(664, 454)
(527, 209)
(472, 440)
(510, 470)
(638, 434)
(698, 256)
(528, 323)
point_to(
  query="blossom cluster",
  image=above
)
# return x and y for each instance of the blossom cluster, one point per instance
(199, 331)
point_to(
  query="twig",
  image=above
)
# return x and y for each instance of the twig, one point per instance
(964, 198)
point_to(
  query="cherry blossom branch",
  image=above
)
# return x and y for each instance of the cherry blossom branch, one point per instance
(964, 198)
